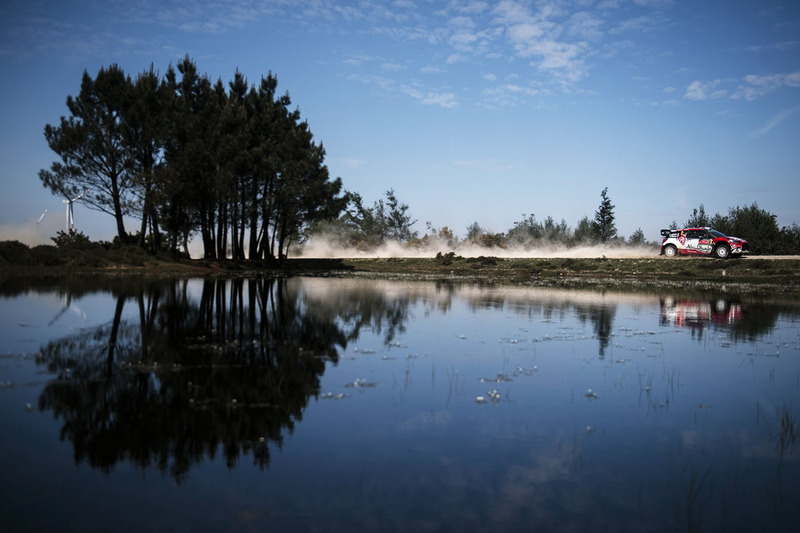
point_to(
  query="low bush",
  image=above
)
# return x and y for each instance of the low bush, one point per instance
(46, 255)
(15, 253)
(447, 259)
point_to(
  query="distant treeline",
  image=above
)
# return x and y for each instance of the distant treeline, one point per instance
(364, 227)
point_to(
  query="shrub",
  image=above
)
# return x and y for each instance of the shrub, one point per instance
(447, 259)
(75, 240)
(46, 255)
(14, 253)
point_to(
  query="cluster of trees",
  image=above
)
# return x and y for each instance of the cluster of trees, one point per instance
(187, 156)
(365, 227)
(529, 231)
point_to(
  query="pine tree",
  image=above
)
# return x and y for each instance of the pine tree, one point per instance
(637, 238)
(95, 157)
(699, 219)
(603, 226)
(144, 131)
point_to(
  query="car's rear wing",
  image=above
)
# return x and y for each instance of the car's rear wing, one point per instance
(666, 232)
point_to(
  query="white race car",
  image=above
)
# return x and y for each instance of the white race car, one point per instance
(701, 241)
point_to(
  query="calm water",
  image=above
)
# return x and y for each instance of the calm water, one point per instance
(346, 405)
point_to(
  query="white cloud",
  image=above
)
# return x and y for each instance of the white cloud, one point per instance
(558, 55)
(383, 83)
(704, 90)
(775, 80)
(774, 121)
(352, 162)
(456, 58)
(463, 41)
(429, 97)
(392, 67)
(652, 3)
(521, 35)
(511, 12)
(510, 94)
(536, 36)
(750, 88)
(446, 100)
(405, 4)
(474, 7)
(461, 23)
(755, 86)
(585, 26)
(782, 46)
(644, 23)
(359, 59)
(413, 90)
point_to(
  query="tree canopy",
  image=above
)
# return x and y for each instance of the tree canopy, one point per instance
(95, 155)
(234, 165)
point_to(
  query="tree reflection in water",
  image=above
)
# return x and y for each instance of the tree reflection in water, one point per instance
(229, 373)
(230, 368)
(189, 371)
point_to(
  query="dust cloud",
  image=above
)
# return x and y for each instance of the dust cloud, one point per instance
(31, 233)
(320, 247)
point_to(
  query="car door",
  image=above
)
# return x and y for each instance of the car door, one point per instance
(705, 244)
(691, 243)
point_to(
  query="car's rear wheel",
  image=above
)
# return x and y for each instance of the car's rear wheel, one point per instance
(670, 250)
(722, 251)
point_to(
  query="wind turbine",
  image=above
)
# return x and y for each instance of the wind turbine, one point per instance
(70, 217)
(41, 217)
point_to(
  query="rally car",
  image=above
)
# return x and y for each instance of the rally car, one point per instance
(701, 241)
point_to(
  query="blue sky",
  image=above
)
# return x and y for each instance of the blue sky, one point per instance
(472, 111)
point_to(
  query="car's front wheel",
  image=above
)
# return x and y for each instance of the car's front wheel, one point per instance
(722, 251)
(670, 250)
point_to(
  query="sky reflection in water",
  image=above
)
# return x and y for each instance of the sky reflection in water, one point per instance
(318, 404)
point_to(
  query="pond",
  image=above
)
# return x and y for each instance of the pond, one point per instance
(319, 404)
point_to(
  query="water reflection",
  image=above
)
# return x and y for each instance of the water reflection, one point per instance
(232, 371)
(469, 407)
(722, 313)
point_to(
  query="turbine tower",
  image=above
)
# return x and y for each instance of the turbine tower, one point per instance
(70, 217)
